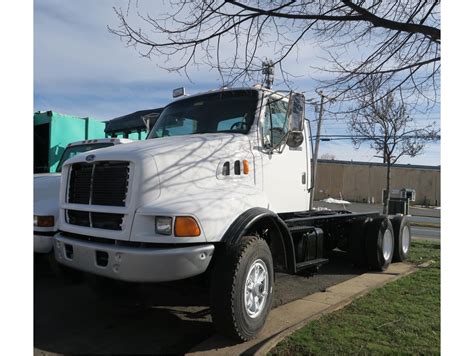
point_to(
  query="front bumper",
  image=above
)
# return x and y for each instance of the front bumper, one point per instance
(43, 242)
(133, 264)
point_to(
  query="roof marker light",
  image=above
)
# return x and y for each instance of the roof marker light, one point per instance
(178, 92)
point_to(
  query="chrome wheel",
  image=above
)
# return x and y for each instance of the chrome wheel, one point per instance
(387, 244)
(256, 288)
(405, 239)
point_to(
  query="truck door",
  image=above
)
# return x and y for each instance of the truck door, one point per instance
(285, 170)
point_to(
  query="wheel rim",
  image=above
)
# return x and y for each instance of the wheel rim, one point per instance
(256, 288)
(405, 239)
(387, 244)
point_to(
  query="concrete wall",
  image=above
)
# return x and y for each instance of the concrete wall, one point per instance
(360, 181)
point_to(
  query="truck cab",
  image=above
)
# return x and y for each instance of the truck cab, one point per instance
(222, 184)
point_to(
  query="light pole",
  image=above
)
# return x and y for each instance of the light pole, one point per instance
(318, 139)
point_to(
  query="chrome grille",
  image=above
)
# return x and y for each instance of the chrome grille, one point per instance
(99, 183)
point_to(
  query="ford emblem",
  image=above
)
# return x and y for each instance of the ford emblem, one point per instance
(90, 158)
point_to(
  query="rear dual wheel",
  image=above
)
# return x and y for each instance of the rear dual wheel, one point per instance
(402, 237)
(372, 243)
(380, 243)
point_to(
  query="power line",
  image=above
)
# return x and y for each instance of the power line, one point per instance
(364, 138)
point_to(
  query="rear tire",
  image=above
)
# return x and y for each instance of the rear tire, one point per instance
(380, 243)
(402, 237)
(242, 288)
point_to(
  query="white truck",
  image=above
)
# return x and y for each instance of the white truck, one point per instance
(220, 187)
(46, 193)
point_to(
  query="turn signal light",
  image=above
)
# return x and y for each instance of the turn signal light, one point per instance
(43, 221)
(246, 166)
(186, 226)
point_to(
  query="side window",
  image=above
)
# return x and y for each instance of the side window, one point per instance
(275, 125)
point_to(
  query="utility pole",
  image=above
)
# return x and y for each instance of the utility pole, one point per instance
(268, 71)
(318, 139)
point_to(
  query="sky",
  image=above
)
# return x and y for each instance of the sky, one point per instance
(81, 69)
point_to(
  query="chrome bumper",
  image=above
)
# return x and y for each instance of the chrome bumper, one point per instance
(133, 264)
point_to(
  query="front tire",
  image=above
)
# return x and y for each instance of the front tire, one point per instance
(242, 288)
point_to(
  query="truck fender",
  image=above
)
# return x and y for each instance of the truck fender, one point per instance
(255, 219)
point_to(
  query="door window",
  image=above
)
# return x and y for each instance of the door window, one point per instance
(275, 124)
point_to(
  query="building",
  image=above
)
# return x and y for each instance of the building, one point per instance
(364, 181)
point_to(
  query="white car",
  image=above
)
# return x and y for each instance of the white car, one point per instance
(46, 193)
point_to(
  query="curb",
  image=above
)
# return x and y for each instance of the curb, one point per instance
(292, 316)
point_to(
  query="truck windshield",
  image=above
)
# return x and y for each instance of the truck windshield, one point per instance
(71, 151)
(227, 111)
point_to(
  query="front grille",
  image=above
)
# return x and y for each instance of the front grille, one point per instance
(80, 183)
(76, 217)
(107, 221)
(99, 183)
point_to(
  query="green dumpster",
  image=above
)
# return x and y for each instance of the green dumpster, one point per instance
(54, 131)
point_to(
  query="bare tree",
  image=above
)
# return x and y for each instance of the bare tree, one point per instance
(351, 40)
(385, 123)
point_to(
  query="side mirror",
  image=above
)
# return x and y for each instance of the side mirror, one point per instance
(295, 139)
(295, 116)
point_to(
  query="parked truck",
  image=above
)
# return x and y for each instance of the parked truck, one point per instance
(221, 187)
(46, 193)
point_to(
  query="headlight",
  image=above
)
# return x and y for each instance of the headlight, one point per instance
(43, 221)
(163, 225)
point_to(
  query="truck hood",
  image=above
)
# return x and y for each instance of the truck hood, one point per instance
(171, 148)
(187, 163)
(46, 193)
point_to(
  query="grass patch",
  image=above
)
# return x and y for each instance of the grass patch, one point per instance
(402, 317)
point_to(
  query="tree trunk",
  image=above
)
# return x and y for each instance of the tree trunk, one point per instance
(387, 188)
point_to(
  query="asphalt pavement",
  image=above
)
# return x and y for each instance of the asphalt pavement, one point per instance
(69, 318)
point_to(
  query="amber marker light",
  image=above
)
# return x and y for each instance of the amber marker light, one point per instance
(186, 226)
(246, 166)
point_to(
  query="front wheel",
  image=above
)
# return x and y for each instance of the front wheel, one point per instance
(242, 288)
